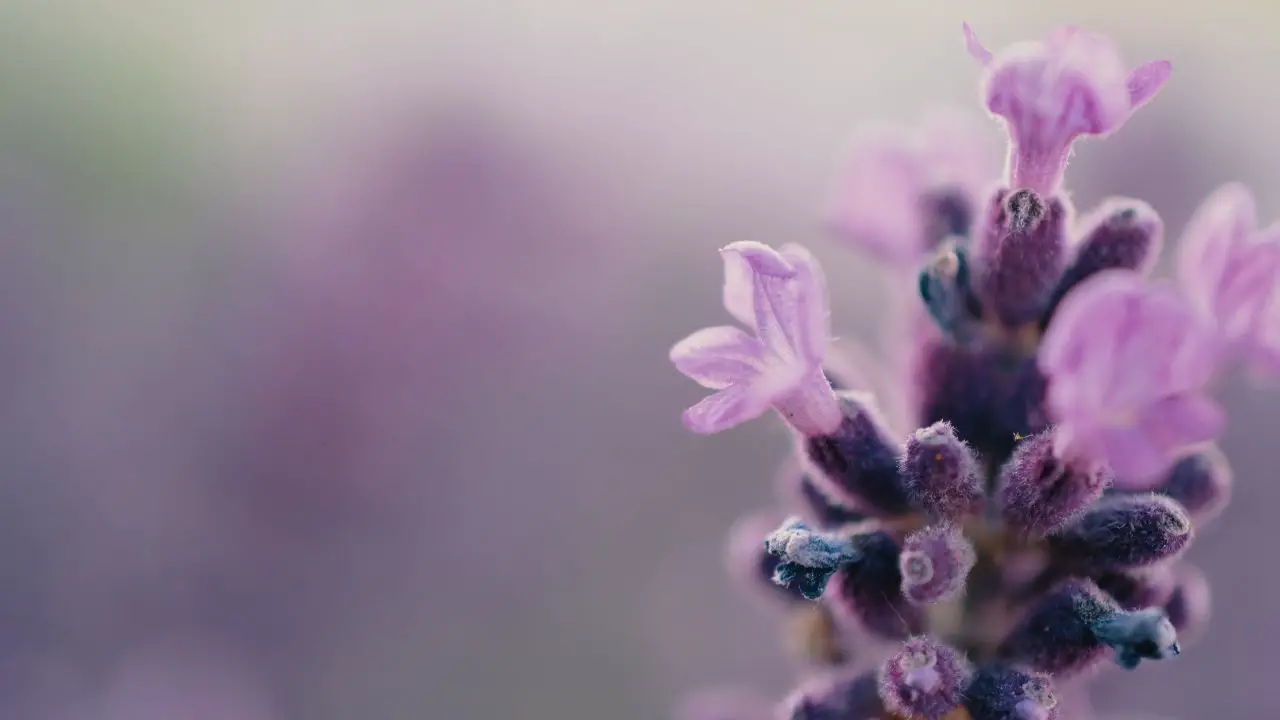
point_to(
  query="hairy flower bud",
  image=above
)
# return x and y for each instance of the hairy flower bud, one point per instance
(940, 473)
(1020, 254)
(1038, 492)
(924, 679)
(1071, 627)
(1120, 234)
(934, 564)
(1123, 532)
(1189, 605)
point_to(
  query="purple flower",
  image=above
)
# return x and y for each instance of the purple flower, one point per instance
(1231, 271)
(782, 295)
(903, 192)
(1127, 366)
(1053, 91)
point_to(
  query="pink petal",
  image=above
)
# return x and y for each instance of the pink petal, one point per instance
(877, 206)
(974, 46)
(1146, 80)
(718, 357)
(1223, 221)
(813, 316)
(1129, 453)
(728, 408)
(738, 289)
(1182, 420)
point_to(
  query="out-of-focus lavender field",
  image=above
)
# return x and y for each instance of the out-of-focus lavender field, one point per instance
(333, 378)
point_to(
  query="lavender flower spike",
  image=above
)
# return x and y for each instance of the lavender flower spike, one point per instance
(1049, 93)
(1231, 271)
(781, 366)
(1127, 366)
(807, 558)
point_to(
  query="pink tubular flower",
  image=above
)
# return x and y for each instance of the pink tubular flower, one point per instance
(1051, 92)
(1231, 271)
(901, 192)
(1127, 365)
(782, 295)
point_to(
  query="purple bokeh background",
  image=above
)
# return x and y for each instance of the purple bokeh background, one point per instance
(334, 340)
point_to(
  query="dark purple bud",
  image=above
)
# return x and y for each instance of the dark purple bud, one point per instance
(1123, 532)
(869, 591)
(1020, 254)
(807, 559)
(924, 679)
(1039, 492)
(1138, 635)
(934, 564)
(1137, 589)
(945, 288)
(1001, 692)
(1189, 605)
(858, 459)
(940, 473)
(1070, 628)
(1120, 234)
(840, 697)
(751, 565)
(1200, 483)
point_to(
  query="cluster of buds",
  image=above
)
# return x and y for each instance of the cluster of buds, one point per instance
(1031, 527)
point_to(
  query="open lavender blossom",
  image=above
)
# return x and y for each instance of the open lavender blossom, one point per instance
(901, 193)
(1032, 526)
(1052, 91)
(781, 365)
(1229, 269)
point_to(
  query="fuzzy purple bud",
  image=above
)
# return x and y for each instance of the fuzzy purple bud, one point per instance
(1070, 628)
(848, 696)
(1200, 483)
(1120, 234)
(924, 679)
(1124, 532)
(934, 564)
(868, 592)
(1039, 492)
(1050, 92)
(1001, 692)
(940, 473)
(1189, 606)
(859, 459)
(1020, 248)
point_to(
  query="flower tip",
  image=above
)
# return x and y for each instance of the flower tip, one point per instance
(1146, 80)
(760, 257)
(974, 46)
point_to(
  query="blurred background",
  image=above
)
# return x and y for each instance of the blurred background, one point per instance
(333, 338)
